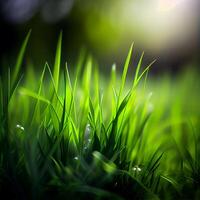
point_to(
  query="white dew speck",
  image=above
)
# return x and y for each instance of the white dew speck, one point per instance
(20, 127)
(137, 169)
(87, 136)
(75, 158)
(87, 132)
(89, 140)
(114, 67)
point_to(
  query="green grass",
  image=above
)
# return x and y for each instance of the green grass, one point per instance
(79, 135)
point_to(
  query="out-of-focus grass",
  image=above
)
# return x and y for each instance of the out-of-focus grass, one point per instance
(79, 135)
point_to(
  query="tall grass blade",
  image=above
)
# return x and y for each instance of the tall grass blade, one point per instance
(18, 64)
(125, 70)
(56, 69)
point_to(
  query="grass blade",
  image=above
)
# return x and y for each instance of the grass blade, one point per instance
(19, 61)
(56, 71)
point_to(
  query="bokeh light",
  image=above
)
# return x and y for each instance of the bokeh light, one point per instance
(156, 24)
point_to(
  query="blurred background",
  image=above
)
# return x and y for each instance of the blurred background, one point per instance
(167, 30)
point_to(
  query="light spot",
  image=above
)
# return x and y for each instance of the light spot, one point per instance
(166, 5)
(137, 169)
(87, 132)
(75, 158)
(114, 67)
(89, 140)
(150, 108)
(20, 127)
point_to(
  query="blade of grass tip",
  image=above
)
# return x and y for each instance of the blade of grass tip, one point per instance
(145, 70)
(145, 79)
(19, 61)
(15, 87)
(87, 75)
(11, 91)
(56, 71)
(126, 65)
(68, 77)
(138, 69)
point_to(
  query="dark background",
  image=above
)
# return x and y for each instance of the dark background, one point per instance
(86, 24)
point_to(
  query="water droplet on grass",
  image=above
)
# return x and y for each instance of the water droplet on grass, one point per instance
(76, 158)
(114, 67)
(87, 132)
(20, 127)
(89, 140)
(87, 137)
(137, 169)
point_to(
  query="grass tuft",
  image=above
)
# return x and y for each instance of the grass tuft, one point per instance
(75, 135)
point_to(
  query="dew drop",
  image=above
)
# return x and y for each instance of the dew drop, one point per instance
(137, 169)
(20, 127)
(75, 158)
(87, 132)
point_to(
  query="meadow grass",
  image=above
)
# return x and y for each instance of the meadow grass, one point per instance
(78, 135)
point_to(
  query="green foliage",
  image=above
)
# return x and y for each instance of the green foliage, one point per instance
(81, 137)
